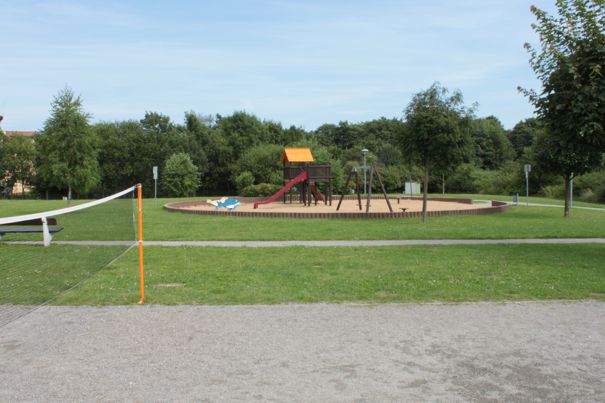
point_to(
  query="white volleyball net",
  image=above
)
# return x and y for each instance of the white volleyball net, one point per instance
(45, 254)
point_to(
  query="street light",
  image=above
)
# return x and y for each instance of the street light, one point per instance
(364, 152)
(527, 170)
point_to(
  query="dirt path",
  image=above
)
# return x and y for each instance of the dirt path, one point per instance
(550, 351)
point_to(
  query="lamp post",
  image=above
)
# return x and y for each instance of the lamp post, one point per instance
(527, 170)
(364, 152)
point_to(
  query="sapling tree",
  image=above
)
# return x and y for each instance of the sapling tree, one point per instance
(437, 133)
(570, 63)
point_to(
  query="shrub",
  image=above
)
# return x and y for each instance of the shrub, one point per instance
(180, 177)
(465, 179)
(501, 181)
(392, 177)
(262, 189)
(590, 187)
(244, 180)
(262, 161)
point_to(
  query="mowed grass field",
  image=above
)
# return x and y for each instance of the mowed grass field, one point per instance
(382, 274)
(116, 219)
(190, 275)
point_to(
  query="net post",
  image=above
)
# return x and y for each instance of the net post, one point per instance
(45, 232)
(141, 265)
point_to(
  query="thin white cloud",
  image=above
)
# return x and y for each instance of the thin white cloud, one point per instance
(299, 62)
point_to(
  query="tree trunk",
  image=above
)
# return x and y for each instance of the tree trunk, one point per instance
(567, 195)
(425, 187)
(443, 184)
(68, 196)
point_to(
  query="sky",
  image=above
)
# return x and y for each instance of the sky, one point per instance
(301, 63)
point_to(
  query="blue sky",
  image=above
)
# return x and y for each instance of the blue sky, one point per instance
(301, 63)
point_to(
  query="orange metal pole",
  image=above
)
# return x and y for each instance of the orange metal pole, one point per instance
(141, 266)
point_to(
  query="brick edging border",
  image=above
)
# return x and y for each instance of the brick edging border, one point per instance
(496, 207)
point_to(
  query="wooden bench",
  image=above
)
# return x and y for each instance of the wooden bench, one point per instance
(30, 226)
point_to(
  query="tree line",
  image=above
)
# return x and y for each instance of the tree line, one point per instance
(226, 154)
(438, 141)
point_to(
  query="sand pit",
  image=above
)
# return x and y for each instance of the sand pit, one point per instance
(349, 208)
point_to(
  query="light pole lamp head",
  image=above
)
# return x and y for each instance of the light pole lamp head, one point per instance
(1, 117)
(365, 151)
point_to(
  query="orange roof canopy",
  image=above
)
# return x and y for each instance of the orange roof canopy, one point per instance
(297, 155)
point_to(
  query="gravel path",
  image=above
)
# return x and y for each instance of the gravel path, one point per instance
(330, 243)
(549, 351)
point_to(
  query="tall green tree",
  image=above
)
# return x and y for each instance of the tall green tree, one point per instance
(18, 157)
(347, 135)
(243, 131)
(180, 176)
(380, 132)
(523, 134)
(118, 155)
(492, 148)
(3, 140)
(263, 162)
(437, 134)
(67, 147)
(570, 63)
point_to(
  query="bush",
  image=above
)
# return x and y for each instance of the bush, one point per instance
(392, 177)
(180, 177)
(501, 181)
(244, 180)
(465, 179)
(262, 189)
(554, 191)
(590, 187)
(263, 162)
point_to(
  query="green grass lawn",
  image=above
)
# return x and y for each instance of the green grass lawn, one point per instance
(520, 222)
(34, 274)
(114, 222)
(283, 275)
(522, 199)
(189, 275)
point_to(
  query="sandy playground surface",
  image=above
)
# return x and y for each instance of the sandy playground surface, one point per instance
(348, 206)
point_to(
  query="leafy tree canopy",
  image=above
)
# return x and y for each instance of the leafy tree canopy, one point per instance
(180, 177)
(18, 156)
(492, 147)
(570, 63)
(67, 147)
(436, 137)
(523, 134)
(242, 131)
(437, 134)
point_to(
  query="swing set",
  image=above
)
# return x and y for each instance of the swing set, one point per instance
(372, 171)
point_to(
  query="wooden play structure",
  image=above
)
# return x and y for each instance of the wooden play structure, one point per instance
(372, 172)
(298, 168)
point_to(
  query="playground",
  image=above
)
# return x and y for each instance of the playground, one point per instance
(308, 193)
(349, 205)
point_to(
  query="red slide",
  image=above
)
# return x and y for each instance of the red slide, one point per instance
(303, 176)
